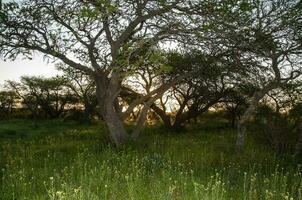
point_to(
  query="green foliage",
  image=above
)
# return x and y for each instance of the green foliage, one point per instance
(245, 6)
(295, 113)
(43, 96)
(89, 12)
(8, 100)
(208, 26)
(166, 68)
(276, 129)
(2, 16)
(83, 90)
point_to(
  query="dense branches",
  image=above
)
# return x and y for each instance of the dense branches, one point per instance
(115, 54)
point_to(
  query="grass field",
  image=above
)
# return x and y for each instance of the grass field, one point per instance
(65, 160)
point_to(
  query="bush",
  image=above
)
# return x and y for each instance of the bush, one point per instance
(76, 115)
(276, 129)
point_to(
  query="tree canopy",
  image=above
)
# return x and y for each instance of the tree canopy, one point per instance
(251, 43)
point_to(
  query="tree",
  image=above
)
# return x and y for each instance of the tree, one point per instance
(43, 96)
(97, 38)
(264, 39)
(83, 88)
(276, 42)
(191, 96)
(195, 95)
(8, 100)
(234, 104)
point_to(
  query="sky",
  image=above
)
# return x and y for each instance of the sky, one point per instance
(13, 70)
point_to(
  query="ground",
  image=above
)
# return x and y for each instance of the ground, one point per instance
(59, 159)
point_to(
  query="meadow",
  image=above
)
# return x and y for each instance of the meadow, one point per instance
(56, 159)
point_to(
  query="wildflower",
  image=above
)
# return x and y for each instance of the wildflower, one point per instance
(60, 194)
(195, 184)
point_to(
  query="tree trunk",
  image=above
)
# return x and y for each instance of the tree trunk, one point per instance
(248, 114)
(115, 125)
(106, 97)
(298, 149)
(163, 116)
(140, 123)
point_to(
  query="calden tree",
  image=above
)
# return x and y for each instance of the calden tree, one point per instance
(83, 88)
(8, 101)
(192, 96)
(273, 40)
(48, 97)
(264, 41)
(97, 37)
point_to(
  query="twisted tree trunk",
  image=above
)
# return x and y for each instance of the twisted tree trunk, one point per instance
(107, 91)
(241, 127)
(140, 123)
(115, 125)
(166, 119)
(249, 113)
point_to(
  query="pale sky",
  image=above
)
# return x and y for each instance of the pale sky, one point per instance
(12, 70)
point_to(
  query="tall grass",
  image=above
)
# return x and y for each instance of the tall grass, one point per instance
(71, 161)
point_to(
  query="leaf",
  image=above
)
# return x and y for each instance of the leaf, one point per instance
(245, 6)
(112, 8)
(165, 68)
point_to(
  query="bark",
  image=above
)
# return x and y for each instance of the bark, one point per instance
(233, 112)
(106, 95)
(115, 125)
(163, 116)
(143, 115)
(140, 123)
(248, 114)
(298, 149)
(111, 115)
